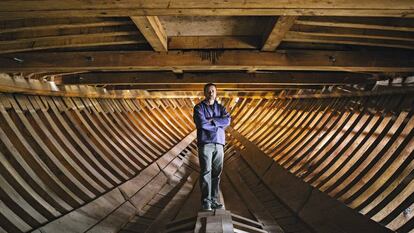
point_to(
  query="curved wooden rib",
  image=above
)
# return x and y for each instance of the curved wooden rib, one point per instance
(84, 163)
(62, 154)
(358, 150)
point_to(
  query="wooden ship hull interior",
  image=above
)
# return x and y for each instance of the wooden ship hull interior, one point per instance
(96, 115)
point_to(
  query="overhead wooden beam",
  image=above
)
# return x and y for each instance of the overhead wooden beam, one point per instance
(309, 37)
(220, 87)
(213, 42)
(40, 24)
(22, 85)
(153, 31)
(70, 41)
(277, 31)
(353, 32)
(366, 61)
(10, 84)
(161, 78)
(37, 32)
(392, 24)
(84, 8)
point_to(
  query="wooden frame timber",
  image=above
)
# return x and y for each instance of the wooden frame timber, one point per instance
(218, 60)
(153, 31)
(270, 78)
(39, 8)
(356, 149)
(352, 149)
(97, 101)
(10, 84)
(277, 32)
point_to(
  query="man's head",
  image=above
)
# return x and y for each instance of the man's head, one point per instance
(210, 92)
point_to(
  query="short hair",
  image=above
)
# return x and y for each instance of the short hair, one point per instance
(209, 85)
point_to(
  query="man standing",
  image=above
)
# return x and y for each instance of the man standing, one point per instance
(211, 119)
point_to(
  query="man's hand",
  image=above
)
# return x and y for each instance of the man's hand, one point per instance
(211, 120)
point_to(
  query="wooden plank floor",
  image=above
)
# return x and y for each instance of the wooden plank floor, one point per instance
(265, 210)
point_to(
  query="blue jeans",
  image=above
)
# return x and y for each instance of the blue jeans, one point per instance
(211, 165)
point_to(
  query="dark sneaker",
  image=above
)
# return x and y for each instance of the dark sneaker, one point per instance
(216, 205)
(206, 206)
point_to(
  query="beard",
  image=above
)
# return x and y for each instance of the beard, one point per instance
(210, 98)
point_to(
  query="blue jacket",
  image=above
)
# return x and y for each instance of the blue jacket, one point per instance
(211, 121)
